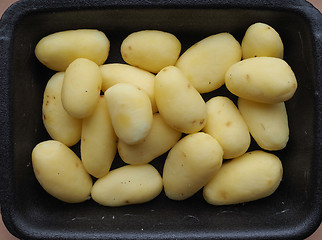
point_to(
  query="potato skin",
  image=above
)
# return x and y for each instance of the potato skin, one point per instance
(128, 185)
(130, 111)
(58, 123)
(267, 123)
(179, 103)
(60, 172)
(81, 88)
(98, 142)
(227, 126)
(56, 51)
(160, 139)
(151, 50)
(114, 73)
(261, 40)
(250, 177)
(190, 164)
(261, 79)
(205, 63)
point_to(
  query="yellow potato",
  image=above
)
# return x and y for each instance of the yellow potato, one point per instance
(267, 123)
(190, 164)
(205, 63)
(130, 111)
(178, 102)
(227, 126)
(98, 143)
(81, 88)
(60, 172)
(151, 50)
(252, 176)
(262, 79)
(128, 185)
(115, 73)
(261, 40)
(160, 139)
(56, 51)
(58, 123)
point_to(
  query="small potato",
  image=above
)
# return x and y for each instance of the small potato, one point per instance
(262, 79)
(130, 111)
(60, 172)
(227, 126)
(250, 177)
(115, 73)
(128, 185)
(179, 103)
(261, 40)
(56, 51)
(190, 164)
(205, 63)
(151, 50)
(81, 88)
(267, 123)
(160, 139)
(58, 123)
(98, 143)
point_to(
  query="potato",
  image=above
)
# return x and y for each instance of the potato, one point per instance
(205, 63)
(98, 143)
(150, 50)
(190, 164)
(252, 176)
(114, 73)
(268, 123)
(227, 126)
(58, 123)
(261, 79)
(130, 111)
(179, 103)
(81, 88)
(160, 139)
(60, 172)
(261, 40)
(56, 51)
(128, 185)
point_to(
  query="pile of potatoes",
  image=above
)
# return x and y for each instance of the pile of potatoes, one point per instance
(151, 105)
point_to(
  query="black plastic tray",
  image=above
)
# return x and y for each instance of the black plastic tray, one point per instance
(294, 211)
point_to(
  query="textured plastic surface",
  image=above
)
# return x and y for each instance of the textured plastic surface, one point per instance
(294, 211)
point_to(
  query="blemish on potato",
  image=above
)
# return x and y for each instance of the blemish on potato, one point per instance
(247, 77)
(202, 121)
(189, 85)
(77, 164)
(129, 47)
(223, 194)
(228, 123)
(262, 125)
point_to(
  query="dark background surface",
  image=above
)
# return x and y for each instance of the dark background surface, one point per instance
(4, 235)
